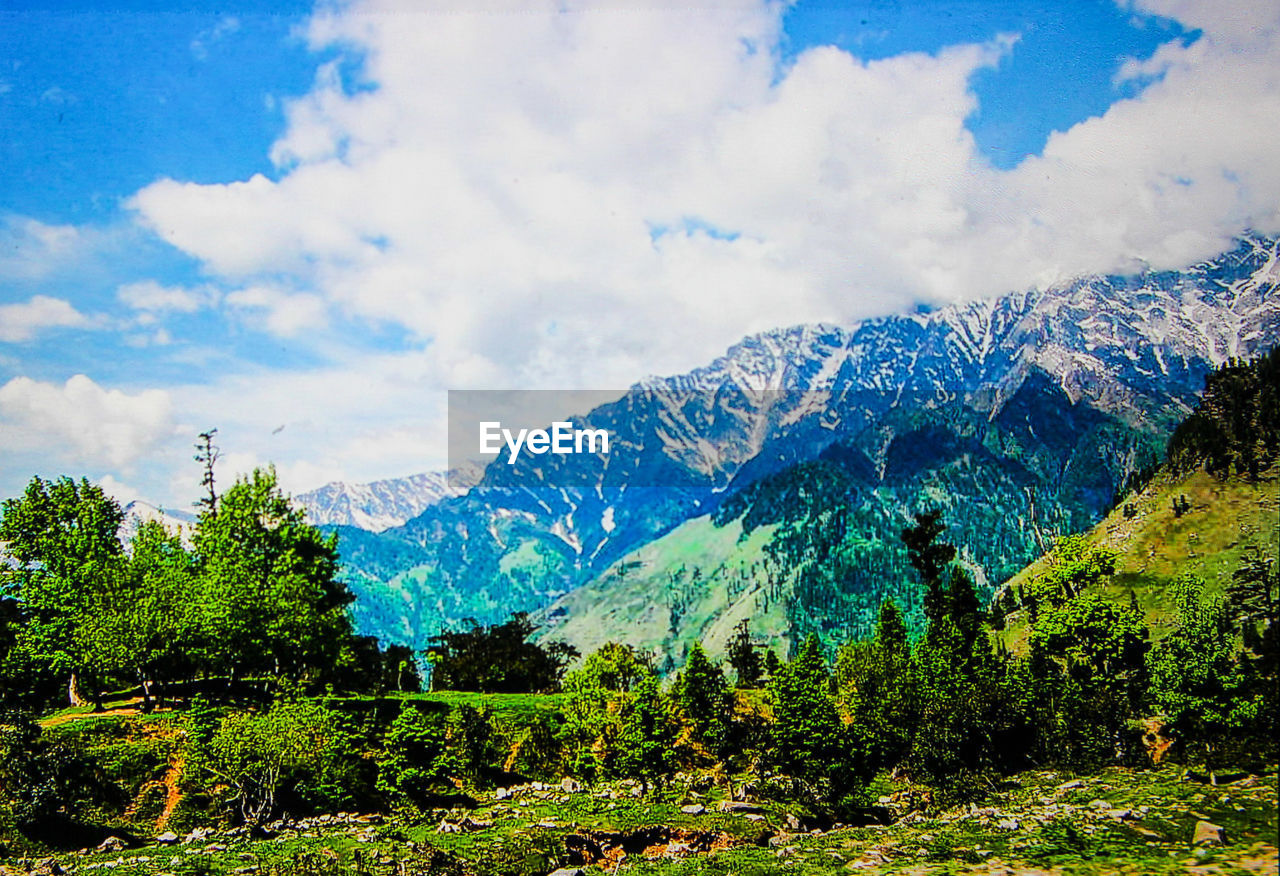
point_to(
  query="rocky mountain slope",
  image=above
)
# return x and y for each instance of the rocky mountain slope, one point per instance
(378, 505)
(1045, 400)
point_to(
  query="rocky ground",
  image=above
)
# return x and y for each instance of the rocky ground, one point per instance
(1120, 821)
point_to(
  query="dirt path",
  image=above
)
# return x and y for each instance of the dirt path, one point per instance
(172, 793)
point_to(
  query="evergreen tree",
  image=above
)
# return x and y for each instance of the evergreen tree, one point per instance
(704, 696)
(809, 739)
(929, 557)
(744, 657)
(1196, 680)
(415, 760)
(874, 680)
(648, 736)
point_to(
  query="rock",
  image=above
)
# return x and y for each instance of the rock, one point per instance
(1120, 814)
(792, 822)
(1208, 833)
(1071, 785)
(740, 807)
(568, 871)
(1099, 804)
(571, 785)
(502, 794)
(47, 867)
(167, 838)
(753, 816)
(1008, 824)
(199, 835)
(693, 809)
(112, 844)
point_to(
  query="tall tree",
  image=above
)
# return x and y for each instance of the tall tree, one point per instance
(648, 735)
(1196, 679)
(929, 557)
(68, 572)
(874, 681)
(704, 696)
(744, 657)
(271, 602)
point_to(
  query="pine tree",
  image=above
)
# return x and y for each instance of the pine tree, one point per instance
(648, 736)
(704, 697)
(744, 658)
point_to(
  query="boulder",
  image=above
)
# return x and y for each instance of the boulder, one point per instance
(112, 844)
(693, 809)
(740, 807)
(568, 871)
(1208, 833)
(167, 838)
(571, 785)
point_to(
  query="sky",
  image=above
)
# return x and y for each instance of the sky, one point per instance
(303, 226)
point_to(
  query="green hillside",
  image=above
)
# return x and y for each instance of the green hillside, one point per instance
(694, 584)
(1154, 545)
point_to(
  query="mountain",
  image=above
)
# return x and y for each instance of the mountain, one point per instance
(138, 512)
(378, 505)
(1022, 416)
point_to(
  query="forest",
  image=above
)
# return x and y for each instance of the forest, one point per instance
(233, 693)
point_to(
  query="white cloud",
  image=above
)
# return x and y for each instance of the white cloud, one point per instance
(152, 297)
(30, 249)
(497, 192)
(81, 423)
(25, 320)
(278, 312)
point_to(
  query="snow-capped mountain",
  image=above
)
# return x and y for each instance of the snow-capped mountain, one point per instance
(1069, 378)
(138, 512)
(378, 505)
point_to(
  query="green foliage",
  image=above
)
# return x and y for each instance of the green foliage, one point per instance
(415, 762)
(929, 557)
(600, 695)
(1075, 565)
(957, 691)
(298, 751)
(39, 779)
(67, 579)
(497, 659)
(271, 601)
(648, 735)
(1196, 679)
(744, 656)
(808, 738)
(1237, 423)
(704, 696)
(873, 680)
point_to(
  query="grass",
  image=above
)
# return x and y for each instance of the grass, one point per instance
(1059, 831)
(1155, 546)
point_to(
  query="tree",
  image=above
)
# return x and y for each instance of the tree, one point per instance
(270, 598)
(298, 750)
(207, 454)
(704, 696)
(1100, 648)
(929, 557)
(600, 693)
(67, 573)
(415, 764)
(1075, 566)
(809, 739)
(873, 679)
(648, 736)
(744, 657)
(497, 659)
(1196, 680)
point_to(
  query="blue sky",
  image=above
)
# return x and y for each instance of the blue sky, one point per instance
(321, 219)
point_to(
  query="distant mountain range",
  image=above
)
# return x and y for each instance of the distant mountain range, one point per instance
(378, 505)
(1021, 416)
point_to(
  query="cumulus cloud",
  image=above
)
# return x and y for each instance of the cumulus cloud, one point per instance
(30, 249)
(152, 297)
(82, 421)
(25, 320)
(609, 191)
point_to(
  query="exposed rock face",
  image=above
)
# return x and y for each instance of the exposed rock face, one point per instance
(1208, 833)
